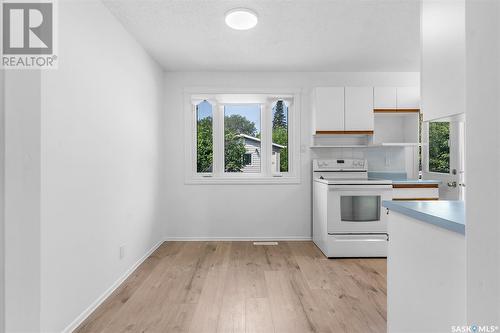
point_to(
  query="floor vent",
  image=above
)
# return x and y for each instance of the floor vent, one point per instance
(265, 243)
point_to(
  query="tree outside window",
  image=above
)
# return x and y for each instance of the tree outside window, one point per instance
(280, 132)
(240, 120)
(439, 149)
(204, 137)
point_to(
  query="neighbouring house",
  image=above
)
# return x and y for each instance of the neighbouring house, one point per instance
(252, 156)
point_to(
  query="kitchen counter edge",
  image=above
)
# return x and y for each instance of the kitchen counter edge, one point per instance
(449, 215)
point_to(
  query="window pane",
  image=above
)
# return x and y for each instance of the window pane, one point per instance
(242, 138)
(279, 158)
(204, 137)
(439, 150)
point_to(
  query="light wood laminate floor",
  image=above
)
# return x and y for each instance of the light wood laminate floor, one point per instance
(241, 287)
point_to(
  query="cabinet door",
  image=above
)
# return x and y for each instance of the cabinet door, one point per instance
(384, 98)
(359, 108)
(329, 108)
(408, 98)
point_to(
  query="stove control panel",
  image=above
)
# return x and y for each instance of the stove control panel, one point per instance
(339, 164)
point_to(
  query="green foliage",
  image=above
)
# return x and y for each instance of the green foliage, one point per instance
(234, 147)
(280, 136)
(280, 133)
(234, 151)
(204, 145)
(279, 120)
(420, 126)
(238, 124)
(439, 150)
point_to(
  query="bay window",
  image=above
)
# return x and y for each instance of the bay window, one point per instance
(242, 138)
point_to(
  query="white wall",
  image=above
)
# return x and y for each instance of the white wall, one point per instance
(443, 58)
(83, 170)
(2, 203)
(483, 162)
(249, 211)
(22, 201)
(101, 172)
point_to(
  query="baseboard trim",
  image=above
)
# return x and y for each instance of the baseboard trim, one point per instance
(84, 315)
(236, 239)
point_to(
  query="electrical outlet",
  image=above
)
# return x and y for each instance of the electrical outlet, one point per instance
(122, 252)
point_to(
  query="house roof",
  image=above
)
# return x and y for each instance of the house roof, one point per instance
(258, 140)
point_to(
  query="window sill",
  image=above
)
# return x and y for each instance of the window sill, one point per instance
(242, 180)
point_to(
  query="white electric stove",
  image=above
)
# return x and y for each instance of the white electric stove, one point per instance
(348, 218)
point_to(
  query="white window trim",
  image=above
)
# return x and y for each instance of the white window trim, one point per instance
(219, 97)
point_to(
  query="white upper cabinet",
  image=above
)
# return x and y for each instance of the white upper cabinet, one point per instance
(408, 98)
(396, 98)
(329, 108)
(358, 109)
(385, 98)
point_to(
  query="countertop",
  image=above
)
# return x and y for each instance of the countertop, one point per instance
(353, 181)
(416, 181)
(449, 215)
(395, 182)
(400, 178)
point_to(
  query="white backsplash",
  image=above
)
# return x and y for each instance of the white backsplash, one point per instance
(379, 158)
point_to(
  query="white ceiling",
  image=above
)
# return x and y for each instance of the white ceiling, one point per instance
(300, 35)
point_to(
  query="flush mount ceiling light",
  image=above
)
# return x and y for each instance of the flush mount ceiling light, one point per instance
(241, 19)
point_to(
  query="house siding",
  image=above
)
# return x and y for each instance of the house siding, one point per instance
(253, 147)
(255, 166)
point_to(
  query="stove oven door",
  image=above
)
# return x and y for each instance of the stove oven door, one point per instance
(357, 208)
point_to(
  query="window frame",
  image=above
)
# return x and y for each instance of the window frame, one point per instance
(241, 96)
